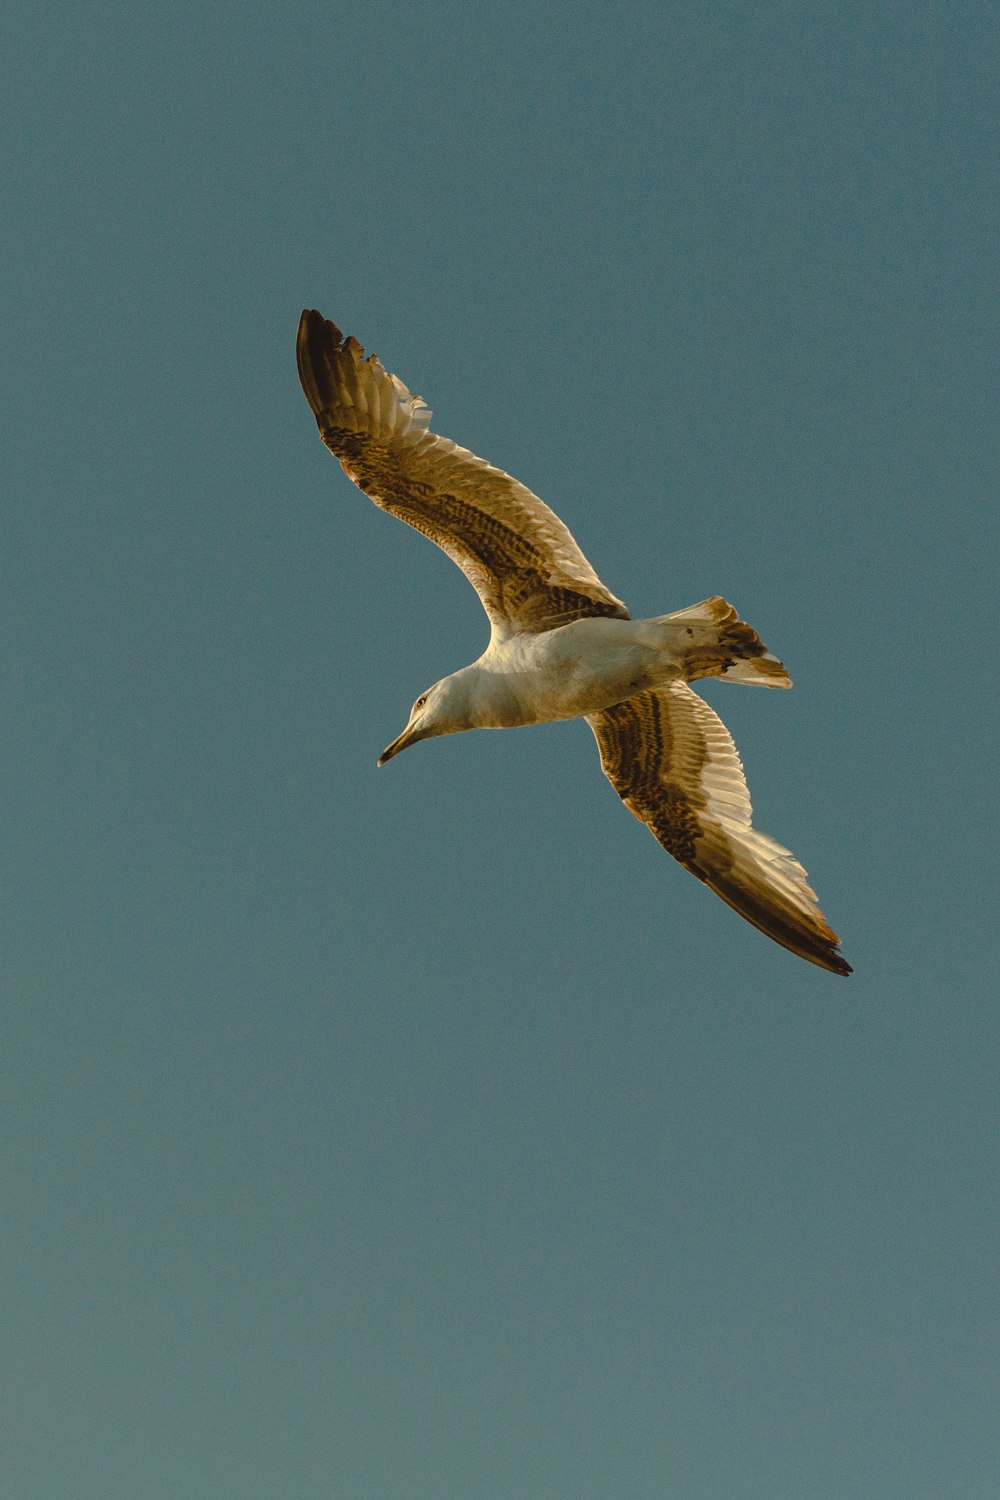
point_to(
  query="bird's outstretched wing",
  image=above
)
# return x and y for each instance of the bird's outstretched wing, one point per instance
(674, 765)
(517, 554)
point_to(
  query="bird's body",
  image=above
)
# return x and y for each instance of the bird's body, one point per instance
(574, 670)
(563, 647)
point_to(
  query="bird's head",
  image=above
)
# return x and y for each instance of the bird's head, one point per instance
(437, 711)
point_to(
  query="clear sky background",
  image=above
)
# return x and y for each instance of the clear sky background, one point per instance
(426, 1132)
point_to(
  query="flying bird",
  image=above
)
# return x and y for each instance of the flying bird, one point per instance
(563, 647)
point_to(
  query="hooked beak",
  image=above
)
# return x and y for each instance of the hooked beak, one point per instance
(409, 737)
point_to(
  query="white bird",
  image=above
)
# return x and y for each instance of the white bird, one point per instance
(563, 647)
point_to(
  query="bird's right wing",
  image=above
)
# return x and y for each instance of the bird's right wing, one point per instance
(519, 557)
(674, 765)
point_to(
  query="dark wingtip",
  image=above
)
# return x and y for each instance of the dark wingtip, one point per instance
(825, 958)
(313, 323)
(834, 961)
(823, 955)
(814, 941)
(317, 340)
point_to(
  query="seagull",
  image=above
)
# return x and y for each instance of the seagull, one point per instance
(562, 646)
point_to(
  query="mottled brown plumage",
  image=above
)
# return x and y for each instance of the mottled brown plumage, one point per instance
(519, 557)
(562, 646)
(674, 765)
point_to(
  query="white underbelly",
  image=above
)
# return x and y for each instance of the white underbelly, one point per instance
(579, 669)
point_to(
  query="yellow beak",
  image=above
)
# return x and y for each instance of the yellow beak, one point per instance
(409, 736)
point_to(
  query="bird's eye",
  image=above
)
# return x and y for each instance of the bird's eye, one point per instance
(420, 702)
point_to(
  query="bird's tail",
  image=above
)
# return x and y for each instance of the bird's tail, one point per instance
(720, 644)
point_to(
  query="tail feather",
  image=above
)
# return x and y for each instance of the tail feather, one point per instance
(722, 645)
(761, 671)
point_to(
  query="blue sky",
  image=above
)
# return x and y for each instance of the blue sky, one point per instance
(426, 1131)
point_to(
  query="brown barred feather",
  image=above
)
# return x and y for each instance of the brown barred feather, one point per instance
(519, 557)
(674, 765)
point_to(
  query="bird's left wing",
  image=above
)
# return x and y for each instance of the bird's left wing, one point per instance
(519, 557)
(674, 765)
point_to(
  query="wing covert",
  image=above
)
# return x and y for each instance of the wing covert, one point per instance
(673, 763)
(518, 555)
